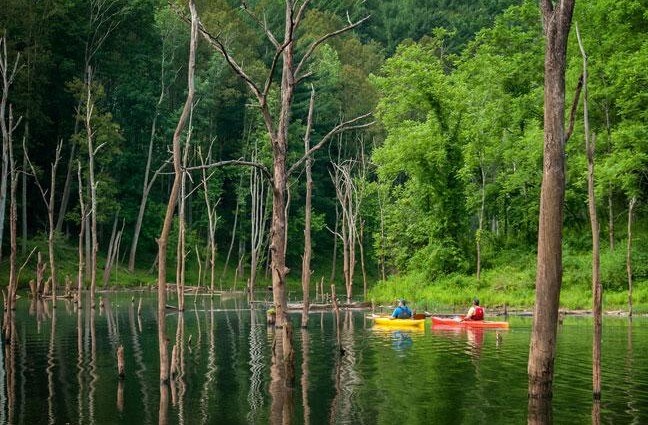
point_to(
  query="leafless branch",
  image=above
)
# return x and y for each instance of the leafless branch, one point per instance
(258, 165)
(347, 125)
(322, 39)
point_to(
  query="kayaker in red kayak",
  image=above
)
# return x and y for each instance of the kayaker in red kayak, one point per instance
(402, 311)
(475, 312)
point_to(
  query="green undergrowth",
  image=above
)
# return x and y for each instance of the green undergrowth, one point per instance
(510, 281)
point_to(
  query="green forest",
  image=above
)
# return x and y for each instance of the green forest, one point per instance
(425, 119)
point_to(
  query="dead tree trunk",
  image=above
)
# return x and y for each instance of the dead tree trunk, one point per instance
(82, 221)
(212, 221)
(557, 22)
(347, 196)
(13, 221)
(597, 290)
(8, 74)
(182, 221)
(173, 197)
(631, 205)
(257, 221)
(94, 244)
(306, 259)
(49, 204)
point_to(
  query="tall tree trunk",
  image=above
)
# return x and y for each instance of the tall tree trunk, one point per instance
(597, 291)
(82, 220)
(335, 242)
(13, 222)
(257, 222)
(173, 197)
(94, 244)
(52, 230)
(7, 74)
(306, 259)
(557, 22)
(631, 205)
(24, 201)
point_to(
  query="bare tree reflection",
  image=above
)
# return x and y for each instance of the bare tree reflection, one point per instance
(138, 355)
(305, 373)
(50, 370)
(347, 378)
(94, 376)
(211, 368)
(257, 362)
(178, 386)
(282, 376)
(8, 399)
(80, 365)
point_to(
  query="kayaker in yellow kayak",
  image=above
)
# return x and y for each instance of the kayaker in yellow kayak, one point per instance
(475, 312)
(402, 311)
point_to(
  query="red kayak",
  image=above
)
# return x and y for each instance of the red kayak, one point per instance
(442, 321)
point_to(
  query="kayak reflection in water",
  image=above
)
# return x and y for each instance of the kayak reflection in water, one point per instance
(401, 340)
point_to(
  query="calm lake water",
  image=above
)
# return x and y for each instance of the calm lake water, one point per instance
(62, 369)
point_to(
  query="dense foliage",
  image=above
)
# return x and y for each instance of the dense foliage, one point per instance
(453, 162)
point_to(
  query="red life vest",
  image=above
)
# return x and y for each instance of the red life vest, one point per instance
(479, 313)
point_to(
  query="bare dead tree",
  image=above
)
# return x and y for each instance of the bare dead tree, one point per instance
(83, 215)
(92, 183)
(306, 258)
(173, 197)
(631, 205)
(8, 74)
(212, 220)
(182, 219)
(257, 220)
(292, 73)
(597, 290)
(13, 222)
(48, 199)
(557, 22)
(347, 195)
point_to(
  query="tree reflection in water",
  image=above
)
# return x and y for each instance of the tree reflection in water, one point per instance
(257, 366)
(282, 373)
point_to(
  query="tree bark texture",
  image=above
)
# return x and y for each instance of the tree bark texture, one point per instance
(557, 23)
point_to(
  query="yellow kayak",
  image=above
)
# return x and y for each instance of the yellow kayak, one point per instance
(397, 323)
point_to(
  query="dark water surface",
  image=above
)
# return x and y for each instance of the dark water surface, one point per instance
(64, 369)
